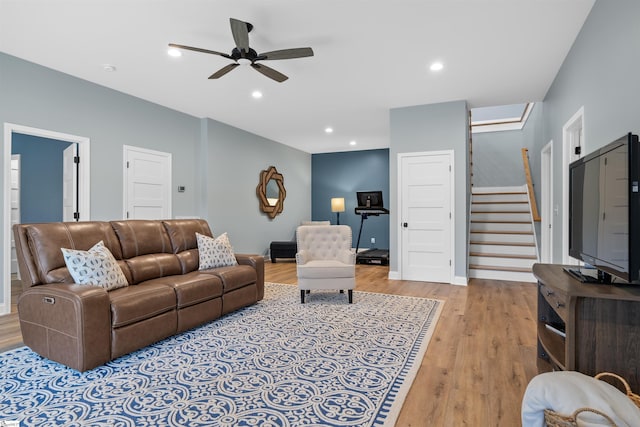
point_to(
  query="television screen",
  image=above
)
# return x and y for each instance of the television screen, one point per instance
(601, 198)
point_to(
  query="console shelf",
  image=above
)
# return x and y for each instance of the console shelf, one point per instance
(601, 324)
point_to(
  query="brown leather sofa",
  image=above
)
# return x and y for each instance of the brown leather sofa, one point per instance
(85, 326)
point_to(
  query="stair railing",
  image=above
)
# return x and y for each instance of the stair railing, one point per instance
(532, 198)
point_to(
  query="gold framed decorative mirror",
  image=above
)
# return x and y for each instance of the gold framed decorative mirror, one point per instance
(271, 192)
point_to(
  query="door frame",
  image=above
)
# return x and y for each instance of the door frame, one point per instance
(452, 204)
(18, 159)
(83, 190)
(572, 129)
(546, 196)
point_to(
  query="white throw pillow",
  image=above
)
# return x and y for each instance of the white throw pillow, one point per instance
(97, 266)
(215, 252)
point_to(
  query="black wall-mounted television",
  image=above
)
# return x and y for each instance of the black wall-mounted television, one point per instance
(604, 211)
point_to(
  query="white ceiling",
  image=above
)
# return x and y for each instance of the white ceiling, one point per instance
(370, 56)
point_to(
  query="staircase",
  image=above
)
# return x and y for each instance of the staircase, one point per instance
(502, 242)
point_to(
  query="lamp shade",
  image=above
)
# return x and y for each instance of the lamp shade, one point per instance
(337, 204)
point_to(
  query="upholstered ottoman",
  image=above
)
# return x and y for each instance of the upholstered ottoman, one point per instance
(286, 249)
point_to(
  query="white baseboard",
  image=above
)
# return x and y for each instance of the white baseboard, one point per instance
(394, 275)
(457, 280)
(460, 280)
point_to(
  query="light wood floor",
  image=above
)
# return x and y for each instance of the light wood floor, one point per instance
(479, 360)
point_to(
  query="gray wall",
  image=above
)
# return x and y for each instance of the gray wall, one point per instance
(219, 165)
(235, 160)
(432, 127)
(497, 156)
(39, 97)
(601, 74)
(344, 174)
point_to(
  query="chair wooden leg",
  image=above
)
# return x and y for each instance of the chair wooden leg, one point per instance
(350, 296)
(302, 293)
(342, 291)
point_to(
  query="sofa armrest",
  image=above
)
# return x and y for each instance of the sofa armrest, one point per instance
(68, 323)
(257, 262)
(302, 257)
(347, 257)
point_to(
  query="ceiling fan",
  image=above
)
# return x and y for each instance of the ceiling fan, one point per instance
(242, 53)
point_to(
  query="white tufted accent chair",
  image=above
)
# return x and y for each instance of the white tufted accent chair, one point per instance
(325, 259)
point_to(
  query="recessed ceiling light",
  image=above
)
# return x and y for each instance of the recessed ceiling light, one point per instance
(328, 130)
(256, 94)
(436, 66)
(174, 52)
(352, 143)
(108, 68)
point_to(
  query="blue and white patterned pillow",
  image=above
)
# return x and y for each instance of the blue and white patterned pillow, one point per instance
(215, 252)
(97, 266)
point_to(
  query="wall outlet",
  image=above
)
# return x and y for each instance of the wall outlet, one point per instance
(373, 240)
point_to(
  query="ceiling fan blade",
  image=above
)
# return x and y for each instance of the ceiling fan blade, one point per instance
(270, 72)
(197, 49)
(240, 31)
(299, 52)
(222, 71)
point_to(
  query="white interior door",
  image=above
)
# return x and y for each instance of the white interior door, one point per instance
(426, 217)
(69, 183)
(147, 181)
(15, 206)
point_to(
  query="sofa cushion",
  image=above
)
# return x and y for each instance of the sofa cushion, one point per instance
(234, 277)
(189, 260)
(97, 266)
(152, 266)
(45, 240)
(182, 233)
(215, 252)
(191, 288)
(141, 237)
(135, 303)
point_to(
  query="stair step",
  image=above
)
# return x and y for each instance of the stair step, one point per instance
(500, 212)
(512, 276)
(499, 268)
(500, 232)
(506, 202)
(494, 255)
(501, 243)
(496, 193)
(496, 221)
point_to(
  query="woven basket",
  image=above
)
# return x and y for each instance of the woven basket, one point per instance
(553, 419)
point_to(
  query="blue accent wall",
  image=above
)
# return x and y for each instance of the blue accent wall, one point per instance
(40, 177)
(342, 175)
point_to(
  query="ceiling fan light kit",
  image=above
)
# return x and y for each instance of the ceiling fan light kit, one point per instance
(244, 54)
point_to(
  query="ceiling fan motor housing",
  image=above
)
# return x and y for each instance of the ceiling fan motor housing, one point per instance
(251, 55)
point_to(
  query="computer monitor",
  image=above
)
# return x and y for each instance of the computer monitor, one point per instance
(370, 199)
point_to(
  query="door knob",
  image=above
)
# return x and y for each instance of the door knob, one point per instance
(405, 225)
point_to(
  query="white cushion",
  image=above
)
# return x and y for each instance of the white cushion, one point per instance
(216, 252)
(315, 223)
(97, 266)
(325, 269)
(565, 391)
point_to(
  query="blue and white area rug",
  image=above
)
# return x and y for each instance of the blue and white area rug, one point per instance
(276, 363)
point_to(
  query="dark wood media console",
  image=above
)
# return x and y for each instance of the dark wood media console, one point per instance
(590, 328)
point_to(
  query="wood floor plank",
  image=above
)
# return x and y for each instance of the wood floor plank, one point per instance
(480, 358)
